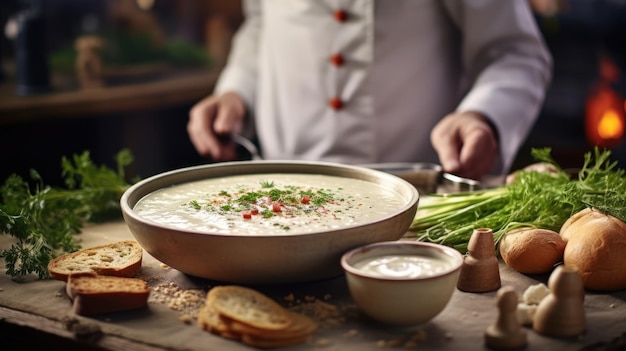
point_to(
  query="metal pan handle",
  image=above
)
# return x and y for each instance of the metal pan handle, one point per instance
(427, 177)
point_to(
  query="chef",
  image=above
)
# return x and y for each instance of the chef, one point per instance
(456, 82)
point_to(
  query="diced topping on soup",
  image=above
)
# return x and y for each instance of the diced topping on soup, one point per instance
(271, 200)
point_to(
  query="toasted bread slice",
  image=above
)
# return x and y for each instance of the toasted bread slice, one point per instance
(301, 327)
(96, 294)
(249, 307)
(210, 320)
(246, 315)
(122, 259)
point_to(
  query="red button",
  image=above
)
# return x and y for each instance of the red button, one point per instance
(341, 15)
(337, 60)
(335, 103)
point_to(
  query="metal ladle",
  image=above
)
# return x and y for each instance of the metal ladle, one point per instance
(248, 145)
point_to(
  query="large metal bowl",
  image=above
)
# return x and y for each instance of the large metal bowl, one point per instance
(267, 259)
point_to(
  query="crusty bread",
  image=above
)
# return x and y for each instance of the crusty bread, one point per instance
(565, 231)
(596, 243)
(244, 314)
(540, 167)
(210, 320)
(249, 307)
(532, 250)
(122, 259)
(96, 294)
(299, 327)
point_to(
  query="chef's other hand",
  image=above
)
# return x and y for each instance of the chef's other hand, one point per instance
(211, 122)
(466, 143)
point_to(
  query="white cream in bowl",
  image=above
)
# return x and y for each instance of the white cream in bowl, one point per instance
(403, 266)
(402, 282)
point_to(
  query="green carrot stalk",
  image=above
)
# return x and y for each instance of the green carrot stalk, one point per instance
(535, 199)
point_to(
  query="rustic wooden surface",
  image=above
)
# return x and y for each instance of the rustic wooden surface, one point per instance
(461, 324)
(27, 331)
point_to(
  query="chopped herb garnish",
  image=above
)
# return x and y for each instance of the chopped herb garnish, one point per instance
(267, 184)
(271, 200)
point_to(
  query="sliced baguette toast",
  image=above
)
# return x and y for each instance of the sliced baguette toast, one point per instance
(300, 327)
(122, 259)
(210, 320)
(246, 315)
(249, 306)
(96, 294)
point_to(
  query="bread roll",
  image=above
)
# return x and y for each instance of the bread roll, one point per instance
(541, 167)
(531, 250)
(565, 231)
(596, 246)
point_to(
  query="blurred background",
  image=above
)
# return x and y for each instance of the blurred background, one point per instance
(103, 75)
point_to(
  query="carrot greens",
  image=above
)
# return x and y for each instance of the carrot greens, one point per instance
(539, 200)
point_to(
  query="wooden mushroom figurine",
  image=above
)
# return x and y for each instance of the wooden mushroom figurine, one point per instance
(506, 333)
(562, 313)
(480, 271)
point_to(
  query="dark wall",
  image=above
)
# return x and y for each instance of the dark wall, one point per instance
(157, 139)
(578, 36)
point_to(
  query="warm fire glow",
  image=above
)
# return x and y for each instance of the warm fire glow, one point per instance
(610, 125)
(605, 109)
(605, 124)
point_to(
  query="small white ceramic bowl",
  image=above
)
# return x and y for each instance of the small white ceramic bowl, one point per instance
(402, 282)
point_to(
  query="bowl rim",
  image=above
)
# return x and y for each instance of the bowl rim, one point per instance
(455, 255)
(127, 209)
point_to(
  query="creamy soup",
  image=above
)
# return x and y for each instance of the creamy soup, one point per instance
(403, 266)
(269, 204)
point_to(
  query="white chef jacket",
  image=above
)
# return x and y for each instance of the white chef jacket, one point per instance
(364, 81)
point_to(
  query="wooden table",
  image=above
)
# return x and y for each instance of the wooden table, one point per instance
(37, 315)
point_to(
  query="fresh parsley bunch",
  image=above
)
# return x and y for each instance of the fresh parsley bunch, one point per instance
(44, 219)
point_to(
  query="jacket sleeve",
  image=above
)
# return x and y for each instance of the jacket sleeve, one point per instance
(241, 70)
(508, 65)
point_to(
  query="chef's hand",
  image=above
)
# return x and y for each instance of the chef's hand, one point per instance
(211, 121)
(466, 143)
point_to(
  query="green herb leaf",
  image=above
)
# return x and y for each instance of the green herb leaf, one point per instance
(44, 219)
(267, 184)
